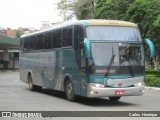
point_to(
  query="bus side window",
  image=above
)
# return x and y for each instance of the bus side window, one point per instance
(54, 39)
(40, 41)
(32, 42)
(22, 44)
(58, 38)
(47, 40)
(67, 37)
(26, 44)
(78, 39)
(83, 60)
(69, 41)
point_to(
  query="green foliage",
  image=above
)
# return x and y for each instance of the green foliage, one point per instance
(157, 22)
(156, 30)
(152, 78)
(18, 33)
(81, 9)
(111, 9)
(144, 13)
(86, 10)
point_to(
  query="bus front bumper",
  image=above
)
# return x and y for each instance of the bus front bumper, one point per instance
(113, 92)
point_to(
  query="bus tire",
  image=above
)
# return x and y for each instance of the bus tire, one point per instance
(69, 91)
(114, 98)
(38, 88)
(31, 86)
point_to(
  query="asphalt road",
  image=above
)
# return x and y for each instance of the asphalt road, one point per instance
(15, 96)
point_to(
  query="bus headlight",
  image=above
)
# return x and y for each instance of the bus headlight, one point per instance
(139, 84)
(96, 85)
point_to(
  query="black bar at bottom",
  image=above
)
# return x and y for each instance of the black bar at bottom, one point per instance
(79, 113)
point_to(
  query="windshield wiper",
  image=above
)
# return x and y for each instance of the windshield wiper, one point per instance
(111, 62)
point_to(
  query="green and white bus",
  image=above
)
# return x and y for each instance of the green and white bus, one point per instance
(90, 58)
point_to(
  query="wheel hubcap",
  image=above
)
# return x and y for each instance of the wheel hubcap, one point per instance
(69, 89)
(30, 84)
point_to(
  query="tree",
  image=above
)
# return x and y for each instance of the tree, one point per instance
(146, 13)
(18, 33)
(156, 38)
(111, 9)
(81, 9)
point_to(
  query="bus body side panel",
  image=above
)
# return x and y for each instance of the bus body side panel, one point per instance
(50, 72)
(50, 68)
(71, 69)
(46, 71)
(24, 68)
(41, 65)
(30, 63)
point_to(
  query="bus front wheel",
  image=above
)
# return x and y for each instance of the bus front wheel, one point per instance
(114, 98)
(69, 91)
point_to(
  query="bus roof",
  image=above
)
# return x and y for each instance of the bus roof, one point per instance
(111, 23)
(94, 22)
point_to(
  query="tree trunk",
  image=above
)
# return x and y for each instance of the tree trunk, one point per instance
(147, 60)
(156, 60)
(147, 65)
(156, 63)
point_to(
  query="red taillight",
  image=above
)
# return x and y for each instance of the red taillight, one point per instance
(120, 92)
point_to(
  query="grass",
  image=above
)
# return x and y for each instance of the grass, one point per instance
(152, 78)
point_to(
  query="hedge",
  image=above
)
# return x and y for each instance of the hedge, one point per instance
(152, 78)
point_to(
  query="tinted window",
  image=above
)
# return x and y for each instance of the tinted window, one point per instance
(40, 41)
(54, 39)
(26, 44)
(57, 37)
(47, 40)
(70, 37)
(32, 40)
(21, 44)
(67, 37)
(78, 37)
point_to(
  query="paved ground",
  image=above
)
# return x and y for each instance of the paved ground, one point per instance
(15, 96)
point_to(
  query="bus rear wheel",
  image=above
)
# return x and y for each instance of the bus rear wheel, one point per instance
(69, 91)
(31, 86)
(114, 98)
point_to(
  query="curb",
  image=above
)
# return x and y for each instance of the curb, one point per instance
(152, 88)
(7, 71)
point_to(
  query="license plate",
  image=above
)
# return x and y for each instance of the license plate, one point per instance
(120, 92)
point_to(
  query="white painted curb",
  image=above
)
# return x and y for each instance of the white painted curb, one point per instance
(152, 88)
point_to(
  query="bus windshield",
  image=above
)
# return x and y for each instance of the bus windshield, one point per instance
(113, 33)
(117, 54)
(122, 58)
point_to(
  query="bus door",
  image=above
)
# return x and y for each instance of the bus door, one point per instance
(80, 58)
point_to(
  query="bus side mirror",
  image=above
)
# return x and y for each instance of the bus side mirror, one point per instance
(150, 45)
(87, 48)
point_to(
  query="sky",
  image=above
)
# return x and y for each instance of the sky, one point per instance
(27, 13)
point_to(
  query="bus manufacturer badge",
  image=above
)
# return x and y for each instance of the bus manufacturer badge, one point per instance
(119, 84)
